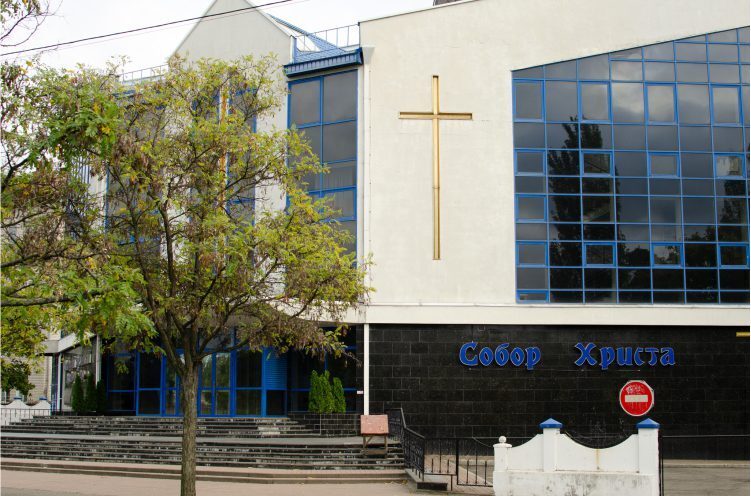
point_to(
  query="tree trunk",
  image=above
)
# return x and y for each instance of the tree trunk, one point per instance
(188, 393)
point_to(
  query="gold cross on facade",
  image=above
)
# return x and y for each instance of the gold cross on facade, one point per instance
(436, 115)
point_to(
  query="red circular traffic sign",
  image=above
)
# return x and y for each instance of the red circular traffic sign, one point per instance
(636, 398)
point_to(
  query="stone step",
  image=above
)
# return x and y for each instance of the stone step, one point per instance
(217, 455)
(210, 473)
(225, 463)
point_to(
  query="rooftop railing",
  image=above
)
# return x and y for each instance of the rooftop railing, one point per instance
(328, 43)
(147, 74)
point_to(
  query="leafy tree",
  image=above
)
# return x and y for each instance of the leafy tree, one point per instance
(205, 229)
(77, 396)
(15, 375)
(89, 394)
(340, 404)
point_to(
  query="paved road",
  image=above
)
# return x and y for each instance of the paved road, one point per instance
(679, 481)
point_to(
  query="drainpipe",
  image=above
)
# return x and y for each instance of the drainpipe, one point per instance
(366, 370)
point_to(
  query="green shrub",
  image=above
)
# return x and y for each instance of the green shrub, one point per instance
(314, 396)
(340, 405)
(89, 394)
(327, 393)
(76, 395)
(101, 397)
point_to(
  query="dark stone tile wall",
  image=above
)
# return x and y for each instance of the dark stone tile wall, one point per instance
(330, 424)
(706, 393)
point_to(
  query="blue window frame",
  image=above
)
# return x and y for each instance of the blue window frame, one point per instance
(324, 108)
(639, 154)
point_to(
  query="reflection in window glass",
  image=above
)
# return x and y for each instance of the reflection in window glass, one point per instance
(594, 67)
(666, 255)
(531, 254)
(725, 104)
(596, 163)
(594, 102)
(529, 162)
(629, 137)
(529, 135)
(663, 165)
(562, 70)
(698, 210)
(727, 139)
(661, 103)
(662, 137)
(728, 165)
(691, 52)
(696, 138)
(628, 102)
(528, 100)
(722, 73)
(626, 71)
(733, 255)
(631, 164)
(680, 182)
(659, 71)
(531, 207)
(560, 101)
(691, 73)
(693, 104)
(723, 53)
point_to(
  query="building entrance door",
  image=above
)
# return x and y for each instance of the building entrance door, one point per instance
(214, 385)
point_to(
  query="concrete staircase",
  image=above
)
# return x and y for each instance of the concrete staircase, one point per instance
(234, 428)
(247, 449)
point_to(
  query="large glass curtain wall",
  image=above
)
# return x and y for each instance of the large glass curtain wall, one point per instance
(631, 175)
(324, 109)
(235, 383)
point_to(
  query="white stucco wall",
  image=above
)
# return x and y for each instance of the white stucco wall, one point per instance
(473, 46)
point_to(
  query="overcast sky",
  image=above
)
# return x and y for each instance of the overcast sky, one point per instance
(75, 19)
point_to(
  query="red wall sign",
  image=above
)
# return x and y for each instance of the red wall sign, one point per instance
(636, 398)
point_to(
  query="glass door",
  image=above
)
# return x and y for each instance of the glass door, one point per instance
(214, 385)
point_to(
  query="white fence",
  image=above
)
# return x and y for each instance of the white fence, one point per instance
(17, 410)
(552, 464)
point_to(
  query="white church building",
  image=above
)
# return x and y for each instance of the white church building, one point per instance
(555, 199)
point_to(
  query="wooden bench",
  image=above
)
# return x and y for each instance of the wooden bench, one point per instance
(373, 426)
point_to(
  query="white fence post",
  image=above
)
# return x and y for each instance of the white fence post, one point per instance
(501, 454)
(649, 456)
(551, 429)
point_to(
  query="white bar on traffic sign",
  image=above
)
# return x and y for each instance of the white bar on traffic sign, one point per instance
(636, 398)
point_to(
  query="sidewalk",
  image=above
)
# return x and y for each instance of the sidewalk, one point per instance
(682, 478)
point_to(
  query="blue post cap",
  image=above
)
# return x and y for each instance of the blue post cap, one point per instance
(551, 423)
(648, 424)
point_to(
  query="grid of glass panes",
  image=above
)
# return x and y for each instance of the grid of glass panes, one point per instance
(324, 109)
(631, 173)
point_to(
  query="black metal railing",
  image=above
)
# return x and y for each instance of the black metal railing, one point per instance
(413, 444)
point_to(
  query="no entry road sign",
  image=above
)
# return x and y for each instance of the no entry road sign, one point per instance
(637, 398)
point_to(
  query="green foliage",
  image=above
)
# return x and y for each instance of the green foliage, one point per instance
(340, 404)
(101, 397)
(314, 396)
(325, 397)
(89, 394)
(15, 375)
(174, 263)
(77, 396)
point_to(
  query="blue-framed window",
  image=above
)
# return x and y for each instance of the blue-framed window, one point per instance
(324, 110)
(631, 168)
